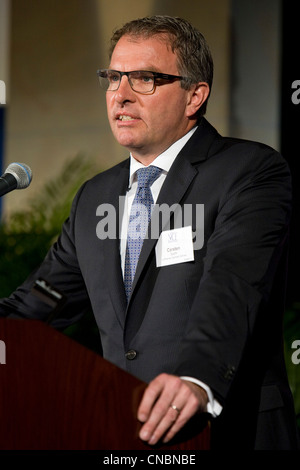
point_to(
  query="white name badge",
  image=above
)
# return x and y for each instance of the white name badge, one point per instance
(174, 246)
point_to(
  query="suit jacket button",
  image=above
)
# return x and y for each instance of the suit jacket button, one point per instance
(131, 354)
(229, 373)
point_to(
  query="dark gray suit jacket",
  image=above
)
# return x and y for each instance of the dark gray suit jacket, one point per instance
(217, 318)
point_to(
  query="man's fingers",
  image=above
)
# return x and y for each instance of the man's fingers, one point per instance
(191, 407)
(157, 389)
(168, 403)
(176, 416)
(171, 422)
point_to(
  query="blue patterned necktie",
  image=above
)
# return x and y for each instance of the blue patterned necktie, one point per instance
(138, 222)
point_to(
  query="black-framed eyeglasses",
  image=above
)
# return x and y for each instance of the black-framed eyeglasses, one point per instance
(141, 81)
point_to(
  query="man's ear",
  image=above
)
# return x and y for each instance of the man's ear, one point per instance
(198, 94)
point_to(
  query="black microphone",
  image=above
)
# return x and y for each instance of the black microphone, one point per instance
(16, 176)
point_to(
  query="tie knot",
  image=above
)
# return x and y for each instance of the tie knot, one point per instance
(146, 176)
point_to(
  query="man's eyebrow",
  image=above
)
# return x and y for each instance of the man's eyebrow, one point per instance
(150, 68)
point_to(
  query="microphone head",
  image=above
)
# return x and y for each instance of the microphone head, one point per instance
(22, 174)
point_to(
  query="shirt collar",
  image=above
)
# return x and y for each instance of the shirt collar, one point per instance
(164, 160)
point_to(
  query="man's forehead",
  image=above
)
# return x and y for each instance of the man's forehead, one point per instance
(143, 39)
(143, 49)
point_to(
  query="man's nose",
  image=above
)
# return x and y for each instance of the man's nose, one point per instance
(124, 92)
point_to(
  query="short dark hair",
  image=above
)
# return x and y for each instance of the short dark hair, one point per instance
(194, 57)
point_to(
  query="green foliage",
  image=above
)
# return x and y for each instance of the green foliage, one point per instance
(27, 235)
(48, 210)
(20, 254)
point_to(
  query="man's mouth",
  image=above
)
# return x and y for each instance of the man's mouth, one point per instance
(125, 117)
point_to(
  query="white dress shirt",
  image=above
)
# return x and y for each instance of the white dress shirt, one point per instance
(163, 161)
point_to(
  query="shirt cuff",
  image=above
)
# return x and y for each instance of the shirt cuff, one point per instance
(213, 406)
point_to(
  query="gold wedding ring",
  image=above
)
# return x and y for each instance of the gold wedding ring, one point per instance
(175, 408)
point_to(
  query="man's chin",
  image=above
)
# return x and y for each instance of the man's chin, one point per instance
(129, 143)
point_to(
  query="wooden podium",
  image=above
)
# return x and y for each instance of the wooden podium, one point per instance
(55, 394)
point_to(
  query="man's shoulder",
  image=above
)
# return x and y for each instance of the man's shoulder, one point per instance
(236, 155)
(212, 143)
(248, 155)
(237, 143)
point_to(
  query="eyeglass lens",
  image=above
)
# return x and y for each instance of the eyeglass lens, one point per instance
(140, 81)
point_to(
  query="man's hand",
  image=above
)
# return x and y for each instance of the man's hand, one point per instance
(168, 403)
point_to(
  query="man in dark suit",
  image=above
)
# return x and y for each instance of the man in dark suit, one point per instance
(202, 320)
